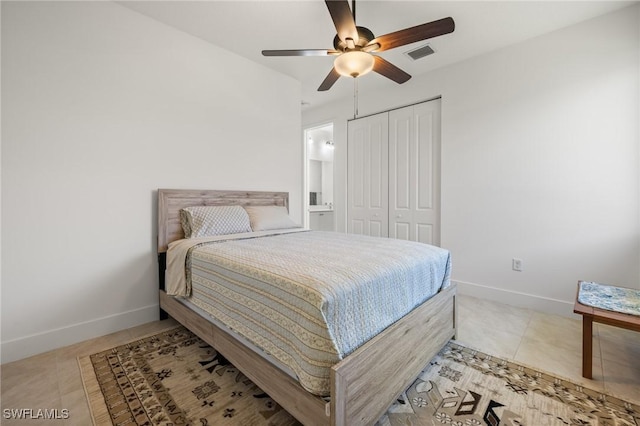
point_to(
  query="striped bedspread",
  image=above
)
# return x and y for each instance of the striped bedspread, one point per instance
(310, 298)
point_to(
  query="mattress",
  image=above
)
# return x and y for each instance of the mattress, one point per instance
(307, 298)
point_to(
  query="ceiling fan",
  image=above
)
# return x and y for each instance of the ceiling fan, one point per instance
(354, 45)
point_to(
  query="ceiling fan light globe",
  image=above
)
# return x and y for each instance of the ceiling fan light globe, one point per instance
(354, 63)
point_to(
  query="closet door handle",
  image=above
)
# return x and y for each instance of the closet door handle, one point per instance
(398, 216)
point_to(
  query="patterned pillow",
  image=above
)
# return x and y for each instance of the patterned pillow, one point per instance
(264, 218)
(206, 221)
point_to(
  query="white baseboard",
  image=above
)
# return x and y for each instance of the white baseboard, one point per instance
(34, 344)
(514, 298)
(24, 347)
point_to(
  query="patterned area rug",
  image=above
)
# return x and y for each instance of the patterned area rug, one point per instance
(174, 378)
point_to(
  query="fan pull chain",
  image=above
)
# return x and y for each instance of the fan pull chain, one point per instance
(355, 98)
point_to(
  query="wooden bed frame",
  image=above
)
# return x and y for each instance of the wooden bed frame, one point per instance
(365, 383)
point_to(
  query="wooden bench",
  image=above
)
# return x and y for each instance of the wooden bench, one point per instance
(591, 314)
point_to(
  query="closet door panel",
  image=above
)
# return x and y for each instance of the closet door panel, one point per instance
(401, 170)
(377, 179)
(400, 161)
(424, 233)
(426, 213)
(425, 158)
(402, 230)
(356, 227)
(377, 228)
(414, 172)
(368, 176)
(357, 169)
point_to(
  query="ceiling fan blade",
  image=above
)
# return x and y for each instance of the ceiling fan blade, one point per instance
(329, 80)
(343, 19)
(300, 52)
(386, 68)
(413, 34)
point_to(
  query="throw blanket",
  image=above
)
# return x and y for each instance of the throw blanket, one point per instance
(311, 298)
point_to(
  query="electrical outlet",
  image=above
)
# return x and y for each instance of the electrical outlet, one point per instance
(516, 264)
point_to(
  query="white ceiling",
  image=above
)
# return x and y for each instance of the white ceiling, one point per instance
(248, 27)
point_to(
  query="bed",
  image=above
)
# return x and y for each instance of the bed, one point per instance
(362, 384)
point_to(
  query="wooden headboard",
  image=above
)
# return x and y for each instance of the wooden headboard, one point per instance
(170, 201)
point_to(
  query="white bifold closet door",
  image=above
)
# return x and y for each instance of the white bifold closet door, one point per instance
(396, 153)
(414, 173)
(368, 176)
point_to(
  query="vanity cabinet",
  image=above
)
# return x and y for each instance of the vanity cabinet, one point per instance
(321, 221)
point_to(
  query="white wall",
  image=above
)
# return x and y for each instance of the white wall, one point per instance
(540, 161)
(102, 106)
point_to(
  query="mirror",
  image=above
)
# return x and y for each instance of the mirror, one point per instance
(315, 182)
(320, 166)
(320, 183)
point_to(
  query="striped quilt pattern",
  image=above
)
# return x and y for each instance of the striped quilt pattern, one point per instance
(311, 298)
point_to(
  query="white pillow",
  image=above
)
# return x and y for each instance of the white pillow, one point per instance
(264, 218)
(206, 221)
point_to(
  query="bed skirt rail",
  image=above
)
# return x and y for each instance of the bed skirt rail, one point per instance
(367, 382)
(309, 409)
(364, 384)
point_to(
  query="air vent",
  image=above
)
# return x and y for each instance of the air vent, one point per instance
(420, 52)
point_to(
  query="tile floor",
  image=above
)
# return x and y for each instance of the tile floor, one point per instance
(549, 342)
(554, 344)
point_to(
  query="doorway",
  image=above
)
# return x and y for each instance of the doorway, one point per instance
(319, 161)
